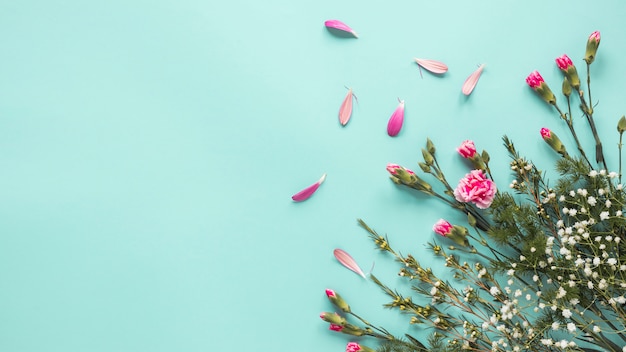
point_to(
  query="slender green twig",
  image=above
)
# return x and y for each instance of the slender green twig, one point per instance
(570, 125)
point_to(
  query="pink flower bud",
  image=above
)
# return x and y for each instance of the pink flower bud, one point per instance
(467, 149)
(553, 141)
(564, 62)
(442, 227)
(355, 347)
(567, 66)
(592, 47)
(333, 318)
(337, 301)
(534, 80)
(393, 169)
(335, 327)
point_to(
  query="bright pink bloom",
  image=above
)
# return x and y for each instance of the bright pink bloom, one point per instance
(353, 347)
(330, 293)
(564, 62)
(442, 227)
(595, 36)
(534, 80)
(393, 169)
(467, 149)
(475, 187)
(335, 327)
(545, 133)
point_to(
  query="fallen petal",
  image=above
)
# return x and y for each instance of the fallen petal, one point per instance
(345, 111)
(471, 81)
(346, 260)
(308, 192)
(433, 66)
(336, 24)
(395, 121)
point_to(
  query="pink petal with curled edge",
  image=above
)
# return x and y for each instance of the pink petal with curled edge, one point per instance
(471, 81)
(345, 111)
(336, 24)
(395, 121)
(308, 192)
(346, 260)
(432, 65)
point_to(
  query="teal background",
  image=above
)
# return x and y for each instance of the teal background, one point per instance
(149, 151)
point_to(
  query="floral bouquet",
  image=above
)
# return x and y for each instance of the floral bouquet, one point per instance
(545, 264)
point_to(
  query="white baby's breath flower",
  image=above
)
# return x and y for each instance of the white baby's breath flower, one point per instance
(604, 215)
(591, 201)
(593, 173)
(566, 313)
(571, 327)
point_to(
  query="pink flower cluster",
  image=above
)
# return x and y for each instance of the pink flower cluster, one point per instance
(467, 149)
(475, 187)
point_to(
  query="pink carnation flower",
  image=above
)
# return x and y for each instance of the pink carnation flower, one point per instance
(475, 187)
(442, 227)
(467, 149)
(564, 62)
(353, 347)
(545, 133)
(330, 293)
(534, 80)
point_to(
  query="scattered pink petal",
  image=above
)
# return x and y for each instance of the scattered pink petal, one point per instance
(336, 24)
(471, 81)
(346, 260)
(433, 66)
(345, 111)
(308, 192)
(395, 121)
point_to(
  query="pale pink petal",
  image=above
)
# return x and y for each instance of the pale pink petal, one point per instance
(346, 260)
(395, 121)
(345, 111)
(432, 65)
(336, 24)
(471, 81)
(308, 192)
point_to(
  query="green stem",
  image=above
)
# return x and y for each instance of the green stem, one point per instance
(589, 115)
(570, 125)
(620, 156)
(589, 88)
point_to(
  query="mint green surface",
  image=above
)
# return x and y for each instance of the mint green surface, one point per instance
(149, 150)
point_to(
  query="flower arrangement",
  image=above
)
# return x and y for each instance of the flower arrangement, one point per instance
(540, 267)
